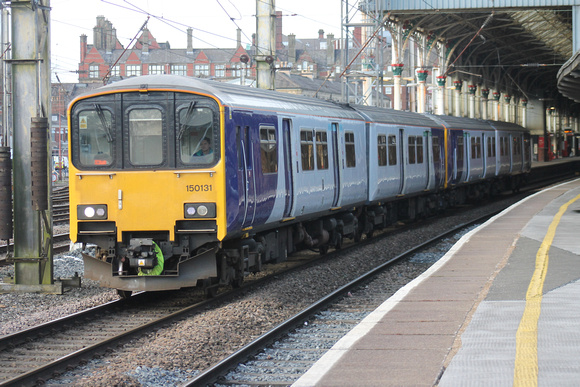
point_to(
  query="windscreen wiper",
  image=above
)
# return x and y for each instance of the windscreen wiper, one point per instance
(104, 122)
(188, 116)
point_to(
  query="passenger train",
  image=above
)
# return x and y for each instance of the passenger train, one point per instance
(182, 182)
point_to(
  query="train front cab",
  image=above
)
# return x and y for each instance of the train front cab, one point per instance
(144, 188)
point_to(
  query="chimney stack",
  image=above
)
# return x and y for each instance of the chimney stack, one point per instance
(83, 47)
(239, 37)
(292, 49)
(145, 41)
(189, 41)
(330, 50)
(320, 34)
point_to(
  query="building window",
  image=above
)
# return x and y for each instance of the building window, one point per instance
(201, 70)
(115, 71)
(179, 69)
(220, 71)
(349, 150)
(268, 150)
(93, 71)
(307, 150)
(382, 149)
(156, 69)
(132, 70)
(321, 150)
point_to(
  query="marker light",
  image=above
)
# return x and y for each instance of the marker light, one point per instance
(199, 210)
(92, 212)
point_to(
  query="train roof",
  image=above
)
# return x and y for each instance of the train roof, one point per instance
(236, 96)
(396, 117)
(463, 123)
(243, 97)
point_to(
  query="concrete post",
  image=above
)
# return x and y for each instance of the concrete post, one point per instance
(265, 44)
(31, 101)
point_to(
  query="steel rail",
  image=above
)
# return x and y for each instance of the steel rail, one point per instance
(211, 375)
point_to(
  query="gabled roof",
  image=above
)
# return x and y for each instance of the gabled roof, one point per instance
(146, 36)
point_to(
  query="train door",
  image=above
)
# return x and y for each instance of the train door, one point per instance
(246, 172)
(484, 155)
(427, 158)
(402, 160)
(468, 149)
(336, 159)
(289, 180)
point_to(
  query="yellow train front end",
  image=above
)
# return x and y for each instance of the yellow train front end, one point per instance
(147, 187)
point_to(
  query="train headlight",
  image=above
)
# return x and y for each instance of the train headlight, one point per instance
(199, 210)
(202, 210)
(92, 212)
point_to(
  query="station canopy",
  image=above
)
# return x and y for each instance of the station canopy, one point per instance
(518, 46)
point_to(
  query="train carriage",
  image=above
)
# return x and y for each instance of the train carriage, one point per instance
(182, 182)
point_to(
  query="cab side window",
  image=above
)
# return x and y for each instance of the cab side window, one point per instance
(96, 137)
(196, 134)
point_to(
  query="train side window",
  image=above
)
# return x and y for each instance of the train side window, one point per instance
(412, 156)
(419, 143)
(505, 146)
(491, 147)
(475, 147)
(145, 137)
(321, 150)
(382, 149)
(460, 149)
(517, 147)
(349, 150)
(307, 149)
(196, 135)
(96, 137)
(436, 150)
(392, 150)
(268, 149)
(239, 148)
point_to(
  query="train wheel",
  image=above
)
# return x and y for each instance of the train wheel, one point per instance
(211, 292)
(338, 245)
(323, 249)
(237, 282)
(124, 294)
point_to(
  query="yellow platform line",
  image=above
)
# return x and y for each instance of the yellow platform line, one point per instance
(526, 365)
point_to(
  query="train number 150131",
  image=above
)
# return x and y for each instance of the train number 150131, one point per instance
(199, 188)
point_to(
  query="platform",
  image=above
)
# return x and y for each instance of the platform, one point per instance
(501, 308)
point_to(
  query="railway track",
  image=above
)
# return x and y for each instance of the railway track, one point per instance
(123, 329)
(46, 351)
(283, 354)
(30, 357)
